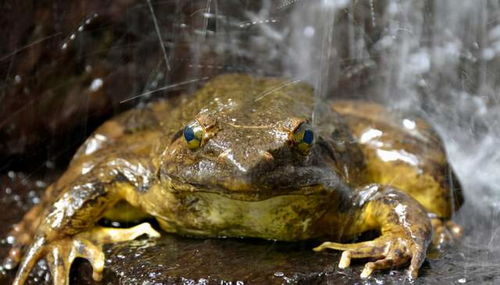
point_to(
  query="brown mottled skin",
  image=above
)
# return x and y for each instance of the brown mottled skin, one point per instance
(247, 178)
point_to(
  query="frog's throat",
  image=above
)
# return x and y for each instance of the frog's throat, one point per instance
(252, 194)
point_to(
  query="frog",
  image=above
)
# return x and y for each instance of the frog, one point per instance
(251, 157)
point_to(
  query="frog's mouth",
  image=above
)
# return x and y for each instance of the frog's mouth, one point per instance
(301, 181)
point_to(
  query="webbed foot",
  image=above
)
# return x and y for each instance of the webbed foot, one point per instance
(445, 232)
(61, 253)
(390, 250)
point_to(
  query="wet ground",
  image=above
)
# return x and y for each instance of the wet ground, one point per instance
(174, 259)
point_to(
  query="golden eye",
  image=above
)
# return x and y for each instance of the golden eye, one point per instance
(193, 134)
(303, 137)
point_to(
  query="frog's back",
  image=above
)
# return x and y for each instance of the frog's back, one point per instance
(405, 152)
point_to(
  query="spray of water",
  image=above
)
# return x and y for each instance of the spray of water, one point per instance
(436, 58)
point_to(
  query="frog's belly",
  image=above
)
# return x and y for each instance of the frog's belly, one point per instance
(288, 217)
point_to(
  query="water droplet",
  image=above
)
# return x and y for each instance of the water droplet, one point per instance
(10, 239)
(49, 164)
(488, 54)
(309, 31)
(96, 84)
(8, 264)
(409, 124)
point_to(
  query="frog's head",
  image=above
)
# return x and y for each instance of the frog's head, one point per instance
(247, 136)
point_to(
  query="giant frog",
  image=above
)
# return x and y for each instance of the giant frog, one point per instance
(249, 157)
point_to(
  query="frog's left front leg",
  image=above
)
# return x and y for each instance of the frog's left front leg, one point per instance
(60, 254)
(67, 229)
(405, 231)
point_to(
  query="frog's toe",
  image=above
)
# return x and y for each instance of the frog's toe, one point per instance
(445, 232)
(389, 252)
(109, 235)
(59, 255)
(352, 251)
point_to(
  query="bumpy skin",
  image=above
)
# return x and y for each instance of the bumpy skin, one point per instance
(248, 178)
(406, 152)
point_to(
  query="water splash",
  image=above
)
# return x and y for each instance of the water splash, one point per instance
(434, 58)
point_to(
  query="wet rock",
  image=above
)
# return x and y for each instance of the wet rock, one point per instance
(174, 259)
(63, 70)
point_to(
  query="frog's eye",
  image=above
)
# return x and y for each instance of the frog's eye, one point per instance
(303, 137)
(193, 134)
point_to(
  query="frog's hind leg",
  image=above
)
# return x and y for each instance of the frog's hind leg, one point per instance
(61, 253)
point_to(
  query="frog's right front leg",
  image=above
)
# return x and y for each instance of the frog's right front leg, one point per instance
(67, 229)
(405, 231)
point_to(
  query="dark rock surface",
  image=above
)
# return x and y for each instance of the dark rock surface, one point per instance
(67, 66)
(192, 261)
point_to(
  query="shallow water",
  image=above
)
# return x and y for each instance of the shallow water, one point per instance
(66, 67)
